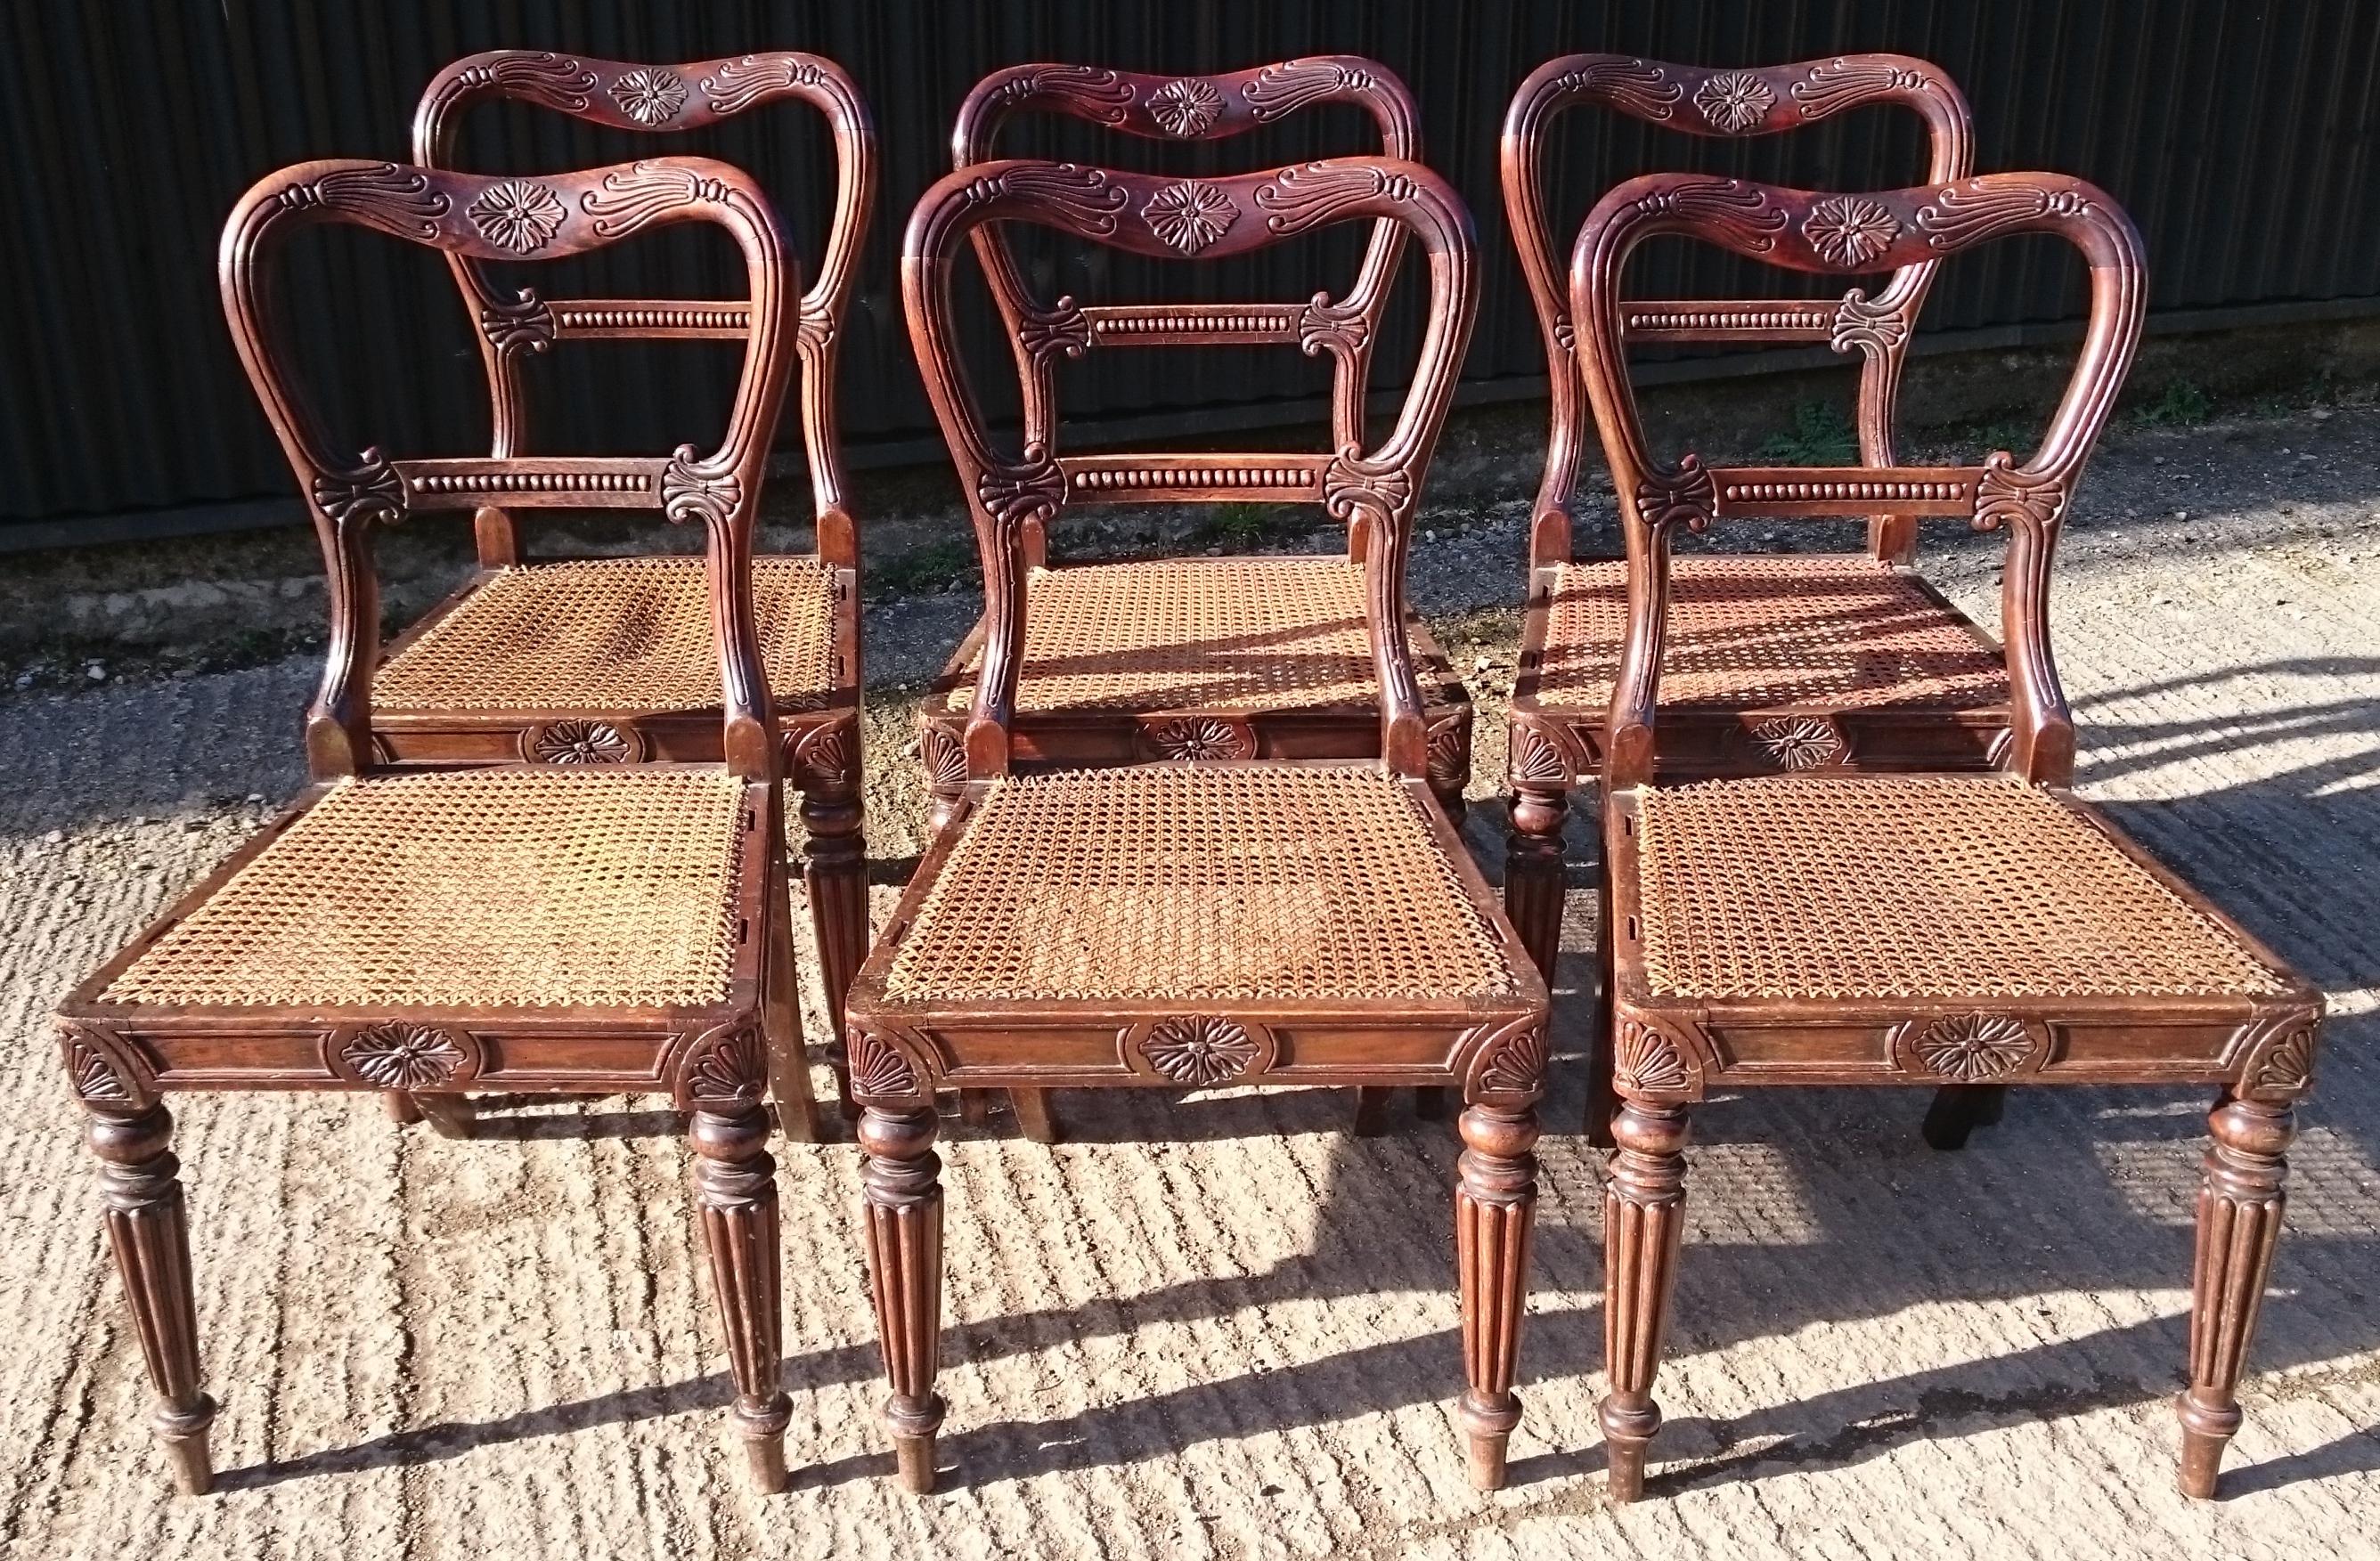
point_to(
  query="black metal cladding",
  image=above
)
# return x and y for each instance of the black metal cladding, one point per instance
(2240, 137)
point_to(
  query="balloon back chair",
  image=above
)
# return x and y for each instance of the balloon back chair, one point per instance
(608, 660)
(1227, 920)
(530, 925)
(1958, 929)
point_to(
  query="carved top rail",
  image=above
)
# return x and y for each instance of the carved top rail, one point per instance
(1139, 214)
(1803, 230)
(1194, 108)
(534, 218)
(1735, 104)
(626, 96)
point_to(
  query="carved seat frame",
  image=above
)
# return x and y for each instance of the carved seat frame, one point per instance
(1191, 108)
(822, 747)
(1668, 1051)
(1493, 1049)
(719, 1061)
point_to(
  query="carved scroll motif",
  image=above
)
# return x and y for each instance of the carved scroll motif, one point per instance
(384, 191)
(1063, 329)
(1303, 197)
(1286, 88)
(1098, 95)
(1841, 83)
(1633, 86)
(1083, 195)
(1013, 495)
(1861, 323)
(738, 84)
(628, 200)
(2007, 491)
(525, 324)
(1687, 496)
(1963, 213)
(371, 491)
(692, 491)
(544, 77)
(1736, 209)
(1351, 483)
(1323, 326)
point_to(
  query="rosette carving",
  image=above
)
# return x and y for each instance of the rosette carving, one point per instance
(1198, 1050)
(1190, 215)
(1202, 738)
(403, 1055)
(1734, 101)
(1185, 107)
(518, 214)
(581, 742)
(1971, 1047)
(650, 96)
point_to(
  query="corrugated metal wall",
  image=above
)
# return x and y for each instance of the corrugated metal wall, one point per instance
(2241, 135)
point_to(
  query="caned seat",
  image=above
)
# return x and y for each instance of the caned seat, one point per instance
(1936, 888)
(1209, 918)
(1959, 931)
(1210, 884)
(1235, 656)
(572, 921)
(609, 637)
(619, 888)
(1757, 631)
(1173, 636)
(1839, 661)
(610, 660)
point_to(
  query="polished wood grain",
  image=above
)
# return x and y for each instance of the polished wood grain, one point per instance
(2256, 1043)
(715, 1059)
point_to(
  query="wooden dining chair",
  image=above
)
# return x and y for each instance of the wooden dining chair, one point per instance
(1193, 658)
(1229, 920)
(1961, 928)
(531, 926)
(609, 660)
(1777, 662)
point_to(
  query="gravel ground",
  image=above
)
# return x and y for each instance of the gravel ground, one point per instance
(1219, 1325)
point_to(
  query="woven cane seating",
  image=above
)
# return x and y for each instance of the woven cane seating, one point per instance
(1238, 655)
(1773, 663)
(610, 660)
(1209, 919)
(611, 636)
(1966, 932)
(569, 923)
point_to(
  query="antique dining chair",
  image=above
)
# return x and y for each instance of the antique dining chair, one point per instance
(1175, 658)
(1226, 921)
(1778, 661)
(609, 660)
(1955, 927)
(530, 925)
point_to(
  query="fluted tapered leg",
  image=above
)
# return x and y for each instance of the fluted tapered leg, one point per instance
(735, 1188)
(2239, 1219)
(1535, 878)
(139, 1180)
(1643, 1210)
(1495, 1209)
(835, 870)
(900, 1176)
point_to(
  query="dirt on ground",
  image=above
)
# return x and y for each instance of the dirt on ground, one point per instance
(1219, 1325)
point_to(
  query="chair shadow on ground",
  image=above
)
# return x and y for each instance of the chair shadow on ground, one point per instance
(2122, 1165)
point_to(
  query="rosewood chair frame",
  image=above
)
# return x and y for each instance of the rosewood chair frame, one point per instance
(720, 1058)
(2254, 1039)
(904, 1045)
(1558, 741)
(818, 728)
(1191, 108)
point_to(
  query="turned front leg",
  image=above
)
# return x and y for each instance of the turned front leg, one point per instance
(1495, 1208)
(1644, 1211)
(736, 1187)
(2239, 1219)
(1535, 878)
(139, 1180)
(899, 1176)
